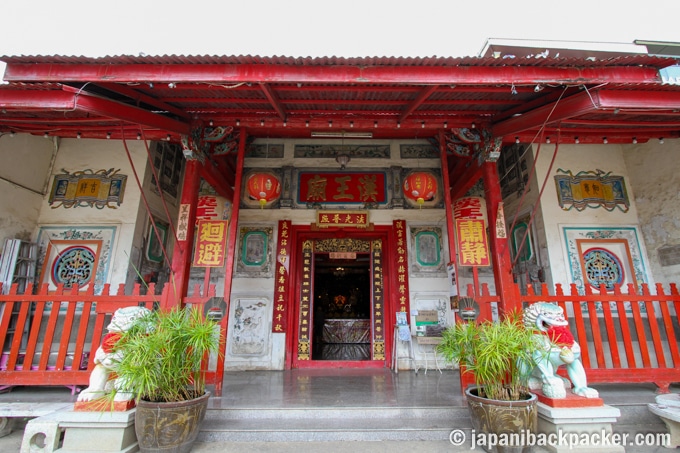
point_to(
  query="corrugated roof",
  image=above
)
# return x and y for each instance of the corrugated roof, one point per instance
(289, 96)
(628, 60)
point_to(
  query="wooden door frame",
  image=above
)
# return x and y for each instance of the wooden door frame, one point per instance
(299, 235)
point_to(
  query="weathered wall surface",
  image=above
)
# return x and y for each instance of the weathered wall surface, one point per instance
(24, 172)
(78, 155)
(577, 158)
(654, 172)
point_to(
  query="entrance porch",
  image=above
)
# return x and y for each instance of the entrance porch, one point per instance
(276, 410)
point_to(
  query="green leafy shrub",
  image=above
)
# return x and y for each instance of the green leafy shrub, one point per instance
(499, 354)
(161, 355)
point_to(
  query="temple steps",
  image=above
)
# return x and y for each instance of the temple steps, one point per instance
(333, 424)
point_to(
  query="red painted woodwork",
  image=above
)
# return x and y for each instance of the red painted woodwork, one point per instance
(391, 97)
(354, 74)
(629, 319)
(51, 360)
(181, 256)
(57, 358)
(263, 187)
(342, 187)
(229, 267)
(500, 247)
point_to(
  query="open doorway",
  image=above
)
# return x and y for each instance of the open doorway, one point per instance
(342, 308)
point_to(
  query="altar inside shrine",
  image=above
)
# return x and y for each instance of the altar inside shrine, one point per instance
(346, 339)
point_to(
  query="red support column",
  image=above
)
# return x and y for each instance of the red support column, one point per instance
(448, 204)
(229, 266)
(181, 256)
(500, 251)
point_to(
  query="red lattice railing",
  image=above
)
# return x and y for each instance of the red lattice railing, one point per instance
(49, 338)
(627, 337)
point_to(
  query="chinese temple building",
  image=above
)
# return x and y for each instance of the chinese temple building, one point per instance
(310, 201)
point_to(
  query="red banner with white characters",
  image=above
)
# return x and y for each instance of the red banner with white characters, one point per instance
(344, 187)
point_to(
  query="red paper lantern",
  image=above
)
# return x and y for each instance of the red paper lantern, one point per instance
(420, 187)
(263, 187)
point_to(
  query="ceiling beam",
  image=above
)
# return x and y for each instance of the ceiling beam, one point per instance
(70, 99)
(273, 100)
(359, 74)
(213, 176)
(566, 108)
(587, 102)
(127, 113)
(36, 100)
(466, 177)
(141, 97)
(418, 101)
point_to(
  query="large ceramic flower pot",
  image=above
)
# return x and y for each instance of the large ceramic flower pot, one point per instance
(501, 418)
(169, 427)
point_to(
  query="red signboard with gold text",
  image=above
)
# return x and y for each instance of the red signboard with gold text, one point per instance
(472, 243)
(211, 243)
(325, 219)
(344, 187)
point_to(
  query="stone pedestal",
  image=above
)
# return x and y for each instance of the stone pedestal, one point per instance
(83, 432)
(569, 427)
(667, 407)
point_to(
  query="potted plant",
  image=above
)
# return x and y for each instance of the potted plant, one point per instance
(160, 364)
(501, 356)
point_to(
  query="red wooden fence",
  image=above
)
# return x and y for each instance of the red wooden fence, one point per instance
(49, 338)
(627, 337)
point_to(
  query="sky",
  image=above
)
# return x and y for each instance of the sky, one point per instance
(303, 28)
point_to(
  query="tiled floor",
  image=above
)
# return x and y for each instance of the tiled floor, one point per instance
(340, 388)
(331, 388)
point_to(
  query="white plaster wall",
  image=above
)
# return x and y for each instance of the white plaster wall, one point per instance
(655, 176)
(77, 155)
(608, 158)
(23, 176)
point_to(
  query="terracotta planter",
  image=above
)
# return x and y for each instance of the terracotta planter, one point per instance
(169, 427)
(502, 418)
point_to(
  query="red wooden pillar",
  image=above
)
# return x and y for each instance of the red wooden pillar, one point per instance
(466, 379)
(448, 205)
(181, 256)
(231, 252)
(500, 251)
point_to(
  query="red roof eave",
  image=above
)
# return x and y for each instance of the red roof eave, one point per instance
(269, 73)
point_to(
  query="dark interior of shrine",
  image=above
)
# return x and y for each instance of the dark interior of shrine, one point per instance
(342, 308)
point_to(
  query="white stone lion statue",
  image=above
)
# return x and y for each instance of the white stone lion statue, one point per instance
(555, 347)
(102, 378)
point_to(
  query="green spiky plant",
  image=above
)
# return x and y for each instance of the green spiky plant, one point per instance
(162, 355)
(499, 354)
